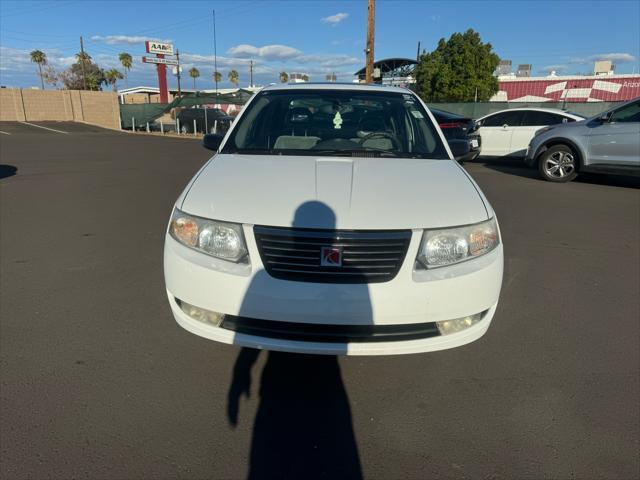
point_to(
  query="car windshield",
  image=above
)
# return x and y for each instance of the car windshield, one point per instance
(336, 122)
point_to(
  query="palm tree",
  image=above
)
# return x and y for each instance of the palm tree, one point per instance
(127, 62)
(194, 73)
(83, 57)
(112, 76)
(284, 78)
(217, 77)
(39, 57)
(305, 77)
(234, 77)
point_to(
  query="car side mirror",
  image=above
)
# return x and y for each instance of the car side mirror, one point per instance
(459, 148)
(212, 141)
(605, 117)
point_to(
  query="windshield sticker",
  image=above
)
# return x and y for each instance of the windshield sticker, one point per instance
(337, 121)
(417, 113)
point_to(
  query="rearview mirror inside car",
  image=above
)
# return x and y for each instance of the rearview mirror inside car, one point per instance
(459, 147)
(212, 141)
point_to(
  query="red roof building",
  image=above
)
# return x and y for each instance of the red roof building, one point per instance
(594, 88)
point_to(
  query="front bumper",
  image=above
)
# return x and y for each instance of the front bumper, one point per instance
(412, 297)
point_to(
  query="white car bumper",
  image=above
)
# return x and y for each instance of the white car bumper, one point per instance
(412, 297)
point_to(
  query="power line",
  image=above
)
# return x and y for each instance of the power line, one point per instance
(39, 9)
(31, 34)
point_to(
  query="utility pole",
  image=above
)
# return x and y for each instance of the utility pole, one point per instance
(84, 74)
(251, 73)
(215, 55)
(178, 72)
(371, 21)
(418, 54)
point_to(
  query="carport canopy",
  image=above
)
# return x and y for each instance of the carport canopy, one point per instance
(148, 112)
(391, 67)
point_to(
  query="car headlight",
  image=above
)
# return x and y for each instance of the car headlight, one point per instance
(219, 239)
(447, 246)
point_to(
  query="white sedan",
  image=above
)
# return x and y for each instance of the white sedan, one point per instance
(333, 219)
(508, 132)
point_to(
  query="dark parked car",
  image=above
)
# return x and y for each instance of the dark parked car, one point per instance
(206, 120)
(457, 127)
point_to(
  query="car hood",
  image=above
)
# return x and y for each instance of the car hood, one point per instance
(363, 193)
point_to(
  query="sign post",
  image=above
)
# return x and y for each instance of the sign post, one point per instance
(160, 49)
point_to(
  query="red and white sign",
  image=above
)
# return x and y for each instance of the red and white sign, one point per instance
(160, 49)
(157, 47)
(159, 61)
(602, 88)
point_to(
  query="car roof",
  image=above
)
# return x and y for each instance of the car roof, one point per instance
(536, 109)
(443, 114)
(336, 86)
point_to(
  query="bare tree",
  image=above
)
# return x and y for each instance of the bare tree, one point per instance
(50, 76)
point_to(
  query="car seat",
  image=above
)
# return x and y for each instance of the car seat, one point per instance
(296, 131)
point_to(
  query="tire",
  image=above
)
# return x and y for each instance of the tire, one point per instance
(558, 164)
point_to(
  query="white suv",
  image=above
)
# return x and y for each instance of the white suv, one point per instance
(333, 219)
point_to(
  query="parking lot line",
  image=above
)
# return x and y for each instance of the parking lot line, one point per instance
(6, 133)
(46, 128)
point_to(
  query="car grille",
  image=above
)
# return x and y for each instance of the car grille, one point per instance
(367, 256)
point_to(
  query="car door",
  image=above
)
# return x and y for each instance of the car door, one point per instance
(496, 130)
(533, 121)
(617, 141)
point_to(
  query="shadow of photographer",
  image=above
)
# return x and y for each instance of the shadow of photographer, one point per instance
(303, 425)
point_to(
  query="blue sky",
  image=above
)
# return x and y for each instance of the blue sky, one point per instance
(314, 37)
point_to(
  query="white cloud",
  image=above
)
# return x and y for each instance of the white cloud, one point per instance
(330, 61)
(269, 52)
(614, 57)
(17, 69)
(125, 39)
(334, 20)
(208, 60)
(560, 67)
(18, 60)
(289, 55)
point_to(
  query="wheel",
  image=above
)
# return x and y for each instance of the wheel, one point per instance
(558, 164)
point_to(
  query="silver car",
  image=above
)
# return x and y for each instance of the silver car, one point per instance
(606, 143)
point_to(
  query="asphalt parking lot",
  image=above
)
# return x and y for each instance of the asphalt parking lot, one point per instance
(98, 381)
